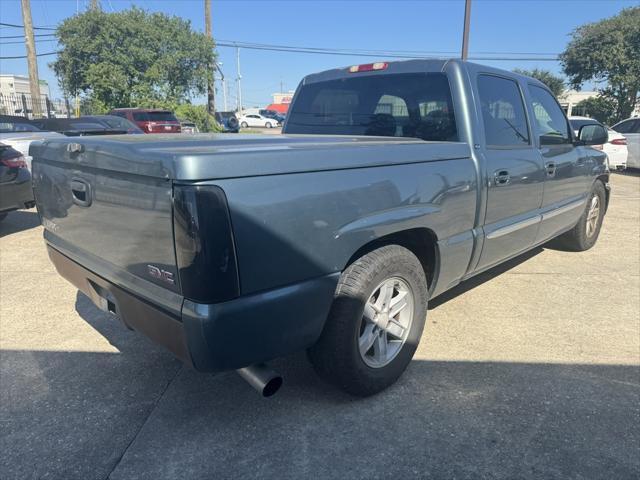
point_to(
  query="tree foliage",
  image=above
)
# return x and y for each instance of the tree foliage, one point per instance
(132, 58)
(199, 115)
(608, 52)
(554, 82)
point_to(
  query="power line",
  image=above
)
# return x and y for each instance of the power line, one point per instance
(22, 36)
(24, 56)
(13, 25)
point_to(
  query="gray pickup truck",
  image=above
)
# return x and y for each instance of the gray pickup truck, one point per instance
(392, 183)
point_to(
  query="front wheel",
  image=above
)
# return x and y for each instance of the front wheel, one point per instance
(244, 124)
(585, 234)
(268, 125)
(375, 322)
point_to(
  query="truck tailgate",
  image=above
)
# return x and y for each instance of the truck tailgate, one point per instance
(99, 215)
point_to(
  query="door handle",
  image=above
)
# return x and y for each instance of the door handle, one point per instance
(550, 168)
(81, 192)
(501, 178)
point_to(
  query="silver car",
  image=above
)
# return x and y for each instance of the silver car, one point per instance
(630, 128)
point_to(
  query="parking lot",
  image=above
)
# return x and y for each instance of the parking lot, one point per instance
(531, 370)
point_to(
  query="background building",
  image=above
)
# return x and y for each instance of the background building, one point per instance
(281, 101)
(19, 84)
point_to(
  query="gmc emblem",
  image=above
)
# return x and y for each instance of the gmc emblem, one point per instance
(160, 274)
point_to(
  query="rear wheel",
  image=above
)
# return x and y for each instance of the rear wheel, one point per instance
(375, 322)
(585, 234)
(244, 124)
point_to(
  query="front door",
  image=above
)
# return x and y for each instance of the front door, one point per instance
(514, 171)
(567, 168)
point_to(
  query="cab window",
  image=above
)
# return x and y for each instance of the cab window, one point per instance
(503, 114)
(552, 125)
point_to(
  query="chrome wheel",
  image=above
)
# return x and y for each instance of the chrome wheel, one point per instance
(387, 319)
(593, 214)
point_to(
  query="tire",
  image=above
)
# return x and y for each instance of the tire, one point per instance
(336, 356)
(268, 125)
(244, 125)
(585, 234)
(232, 123)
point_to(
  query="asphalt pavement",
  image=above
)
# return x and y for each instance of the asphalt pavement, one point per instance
(531, 370)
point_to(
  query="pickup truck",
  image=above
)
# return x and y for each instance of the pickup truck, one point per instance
(391, 183)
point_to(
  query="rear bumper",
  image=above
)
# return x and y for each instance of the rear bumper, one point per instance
(222, 336)
(17, 194)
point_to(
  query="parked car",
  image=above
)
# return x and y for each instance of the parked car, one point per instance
(78, 127)
(189, 127)
(228, 122)
(615, 147)
(150, 120)
(392, 183)
(256, 120)
(630, 128)
(18, 132)
(15, 181)
(272, 114)
(116, 123)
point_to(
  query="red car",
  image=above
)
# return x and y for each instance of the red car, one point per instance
(150, 120)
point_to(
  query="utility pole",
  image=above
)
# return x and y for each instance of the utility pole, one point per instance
(239, 84)
(32, 62)
(211, 87)
(94, 5)
(224, 86)
(465, 33)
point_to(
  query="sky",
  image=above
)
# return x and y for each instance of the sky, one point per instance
(524, 27)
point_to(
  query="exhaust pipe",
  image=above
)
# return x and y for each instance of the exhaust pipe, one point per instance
(262, 378)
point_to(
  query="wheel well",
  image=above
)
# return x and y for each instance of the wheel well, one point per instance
(605, 179)
(422, 242)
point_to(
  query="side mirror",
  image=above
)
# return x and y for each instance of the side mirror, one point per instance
(593, 134)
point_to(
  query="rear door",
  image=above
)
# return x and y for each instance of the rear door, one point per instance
(631, 130)
(566, 167)
(514, 170)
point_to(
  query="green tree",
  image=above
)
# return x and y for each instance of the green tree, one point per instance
(132, 58)
(554, 82)
(601, 108)
(199, 115)
(608, 52)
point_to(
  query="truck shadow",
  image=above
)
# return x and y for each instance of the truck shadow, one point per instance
(19, 221)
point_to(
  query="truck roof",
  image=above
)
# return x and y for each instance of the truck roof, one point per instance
(433, 65)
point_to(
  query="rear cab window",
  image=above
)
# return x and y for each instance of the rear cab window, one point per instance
(413, 105)
(503, 112)
(161, 117)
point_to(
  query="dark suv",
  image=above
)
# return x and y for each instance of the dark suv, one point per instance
(228, 122)
(150, 120)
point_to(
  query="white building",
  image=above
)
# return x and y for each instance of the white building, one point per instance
(570, 98)
(19, 84)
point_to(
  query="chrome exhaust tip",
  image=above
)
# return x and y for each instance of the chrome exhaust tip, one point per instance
(265, 380)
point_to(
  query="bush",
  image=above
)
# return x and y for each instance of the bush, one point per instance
(197, 114)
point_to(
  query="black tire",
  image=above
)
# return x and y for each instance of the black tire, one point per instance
(244, 125)
(577, 239)
(233, 123)
(336, 356)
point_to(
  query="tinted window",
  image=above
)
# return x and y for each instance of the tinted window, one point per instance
(505, 123)
(550, 120)
(6, 127)
(140, 116)
(120, 123)
(627, 126)
(162, 117)
(383, 105)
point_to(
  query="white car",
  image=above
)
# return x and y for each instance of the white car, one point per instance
(630, 128)
(19, 135)
(257, 120)
(615, 148)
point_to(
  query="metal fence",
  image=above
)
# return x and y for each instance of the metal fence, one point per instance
(23, 105)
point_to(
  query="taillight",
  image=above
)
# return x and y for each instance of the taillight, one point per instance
(368, 67)
(15, 162)
(618, 141)
(205, 252)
